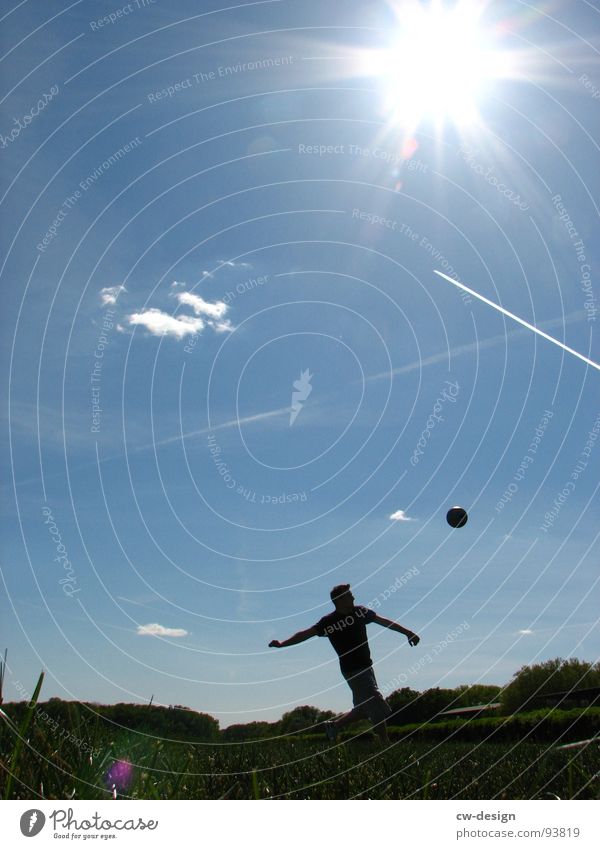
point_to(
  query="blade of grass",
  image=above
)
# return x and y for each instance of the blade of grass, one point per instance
(29, 714)
(2, 673)
(227, 793)
(148, 786)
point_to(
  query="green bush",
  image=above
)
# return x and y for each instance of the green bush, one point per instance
(531, 683)
(175, 722)
(410, 706)
(543, 726)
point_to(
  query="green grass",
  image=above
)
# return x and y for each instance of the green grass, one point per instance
(19, 734)
(42, 759)
(298, 769)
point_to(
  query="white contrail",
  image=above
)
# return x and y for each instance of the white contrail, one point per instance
(520, 320)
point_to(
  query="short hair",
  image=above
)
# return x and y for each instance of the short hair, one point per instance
(338, 590)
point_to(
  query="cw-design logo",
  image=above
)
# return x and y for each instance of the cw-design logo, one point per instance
(32, 822)
(303, 390)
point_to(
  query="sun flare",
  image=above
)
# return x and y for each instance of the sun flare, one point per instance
(438, 65)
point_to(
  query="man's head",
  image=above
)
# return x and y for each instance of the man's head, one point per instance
(342, 597)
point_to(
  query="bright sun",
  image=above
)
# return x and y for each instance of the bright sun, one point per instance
(438, 66)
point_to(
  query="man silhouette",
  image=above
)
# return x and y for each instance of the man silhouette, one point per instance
(347, 632)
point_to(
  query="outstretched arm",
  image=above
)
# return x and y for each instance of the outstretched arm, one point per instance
(292, 641)
(413, 639)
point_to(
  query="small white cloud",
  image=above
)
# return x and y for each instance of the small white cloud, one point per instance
(222, 326)
(400, 516)
(175, 285)
(526, 631)
(162, 324)
(202, 307)
(109, 294)
(232, 264)
(156, 630)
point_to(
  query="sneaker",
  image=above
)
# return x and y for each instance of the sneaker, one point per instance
(331, 731)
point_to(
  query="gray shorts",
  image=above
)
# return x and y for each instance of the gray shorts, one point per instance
(366, 696)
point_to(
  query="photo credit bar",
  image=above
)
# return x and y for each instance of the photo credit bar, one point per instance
(424, 822)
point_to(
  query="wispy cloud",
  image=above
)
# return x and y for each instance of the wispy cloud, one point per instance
(156, 630)
(162, 324)
(110, 294)
(224, 263)
(472, 347)
(202, 307)
(221, 263)
(222, 326)
(400, 516)
(526, 631)
(257, 417)
(231, 264)
(141, 601)
(29, 420)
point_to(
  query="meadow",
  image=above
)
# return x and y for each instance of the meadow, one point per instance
(84, 755)
(308, 770)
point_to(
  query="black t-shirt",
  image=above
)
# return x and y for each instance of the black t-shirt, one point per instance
(347, 634)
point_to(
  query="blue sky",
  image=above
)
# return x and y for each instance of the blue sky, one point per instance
(228, 203)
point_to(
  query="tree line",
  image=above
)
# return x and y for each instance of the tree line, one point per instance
(564, 684)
